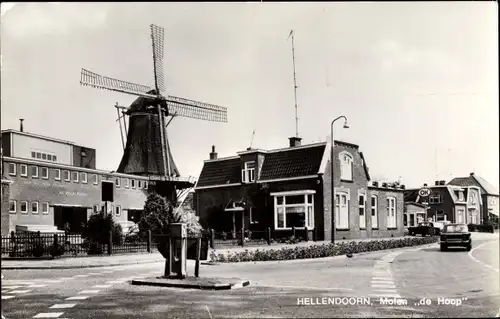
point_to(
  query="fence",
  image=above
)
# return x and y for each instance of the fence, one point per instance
(40, 245)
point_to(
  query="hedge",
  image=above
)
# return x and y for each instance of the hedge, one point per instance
(481, 228)
(320, 251)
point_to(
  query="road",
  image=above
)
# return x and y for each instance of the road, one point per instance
(414, 276)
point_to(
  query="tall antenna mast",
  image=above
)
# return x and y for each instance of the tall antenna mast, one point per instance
(294, 85)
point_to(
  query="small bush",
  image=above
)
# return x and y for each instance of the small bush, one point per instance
(320, 251)
(56, 251)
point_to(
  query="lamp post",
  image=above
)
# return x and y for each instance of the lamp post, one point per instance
(332, 172)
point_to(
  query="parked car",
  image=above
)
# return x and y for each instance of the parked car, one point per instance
(423, 229)
(455, 235)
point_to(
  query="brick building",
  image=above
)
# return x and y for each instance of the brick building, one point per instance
(52, 182)
(488, 193)
(452, 203)
(291, 187)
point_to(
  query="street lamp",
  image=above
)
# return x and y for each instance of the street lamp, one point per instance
(332, 172)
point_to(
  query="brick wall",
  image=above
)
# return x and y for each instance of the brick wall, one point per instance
(68, 193)
(5, 207)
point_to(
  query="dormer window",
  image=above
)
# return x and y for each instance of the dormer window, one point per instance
(248, 173)
(345, 166)
(461, 196)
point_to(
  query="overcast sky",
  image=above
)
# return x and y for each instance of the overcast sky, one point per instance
(418, 81)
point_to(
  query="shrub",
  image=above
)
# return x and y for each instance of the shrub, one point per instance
(320, 251)
(99, 225)
(56, 251)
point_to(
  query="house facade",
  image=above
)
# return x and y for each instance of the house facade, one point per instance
(451, 203)
(489, 210)
(292, 187)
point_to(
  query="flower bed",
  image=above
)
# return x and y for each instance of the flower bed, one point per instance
(320, 251)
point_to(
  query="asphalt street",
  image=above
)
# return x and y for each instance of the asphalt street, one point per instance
(417, 279)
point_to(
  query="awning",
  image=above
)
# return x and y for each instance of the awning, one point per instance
(238, 205)
(493, 212)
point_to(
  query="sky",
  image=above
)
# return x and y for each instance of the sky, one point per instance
(418, 81)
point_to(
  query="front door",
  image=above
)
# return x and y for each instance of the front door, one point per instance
(460, 216)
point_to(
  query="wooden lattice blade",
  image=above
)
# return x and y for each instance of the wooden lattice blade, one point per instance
(157, 38)
(195, 109)
(93, 79)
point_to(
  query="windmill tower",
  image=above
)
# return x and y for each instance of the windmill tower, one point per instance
(147, 150)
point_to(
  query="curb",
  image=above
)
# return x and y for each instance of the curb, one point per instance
(215, 286)
(81, 266)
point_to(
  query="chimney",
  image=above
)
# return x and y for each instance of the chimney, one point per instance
(294, 141)
(472, 174)
(213, 155)
(425, 185)
(21, 125)
(442, 183)
(436, 183)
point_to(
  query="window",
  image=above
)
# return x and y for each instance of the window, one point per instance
(117, 182)
(342, 210)
(126, 182)
(293, 210)
(45, 172)
(412, 220)
(34, 207)
(34, 171)
(145, 185)
(33, 154)
(435, 199)
(75, 177)
(49, 157)
(84, 178)
(45, 208)
(54, 158)
(38, 155)
(12, 169)
(374, 204)
(461, 196)
(67, 176)
(24, 170)
(96, 208)
(362, 216)
(405, 220)
(12, 206)
(118, 210)
(248, 173)
(391, 212)
(24, 207)
(133, 183)
(57, 173)
(44, 156)
(139, 184)
(96, 179)
(345, 166)
(473, 198)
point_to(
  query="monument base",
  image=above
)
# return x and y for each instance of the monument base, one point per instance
(191, 282)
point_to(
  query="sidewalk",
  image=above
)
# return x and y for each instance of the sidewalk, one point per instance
(83, 262)
(143, 258)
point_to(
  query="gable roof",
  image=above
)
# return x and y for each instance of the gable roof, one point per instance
(292, 162)
(220, 172)
(285, 163)
(475, 180)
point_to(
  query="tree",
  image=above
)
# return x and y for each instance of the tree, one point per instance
(158, 216)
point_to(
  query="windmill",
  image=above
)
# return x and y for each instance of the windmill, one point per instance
(147, 150)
